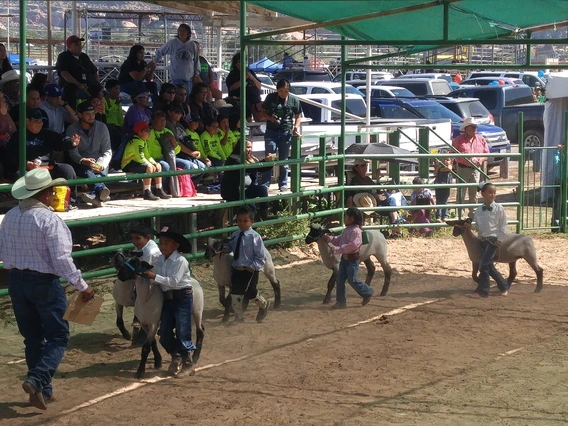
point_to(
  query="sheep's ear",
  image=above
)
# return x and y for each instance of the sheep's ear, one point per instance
(452, 222)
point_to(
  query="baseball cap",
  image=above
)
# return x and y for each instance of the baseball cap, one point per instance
(142, 95)
(140, 126)
(84, 107)
(52, 90)
(73, 39)
(34, 114)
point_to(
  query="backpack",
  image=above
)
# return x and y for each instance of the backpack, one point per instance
(61, 197)
(186, 186)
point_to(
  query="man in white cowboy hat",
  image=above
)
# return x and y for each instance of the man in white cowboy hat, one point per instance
(35, 246)
(10, 86)
(470, 142)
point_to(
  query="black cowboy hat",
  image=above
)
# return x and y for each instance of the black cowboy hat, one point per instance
(170, 232)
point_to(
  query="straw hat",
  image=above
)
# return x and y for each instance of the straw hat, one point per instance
(34, 181)
(469, 121)
(364, 199)
(8, 76)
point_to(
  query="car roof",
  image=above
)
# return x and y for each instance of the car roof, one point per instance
(421, 79)
(383, 87)
(427, 75)
(329, 84)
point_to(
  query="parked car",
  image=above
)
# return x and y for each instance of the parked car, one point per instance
(264, 79)
(486, 81)
(362, 75)
(466, 107)
(441, 76)
(321, 87)
(505, 102)
(530, 78)
(387, 92)
(426, 108)
(420, 86)
(301, 74)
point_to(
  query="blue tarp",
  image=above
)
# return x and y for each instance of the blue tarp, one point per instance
(15, 59)
(265, 64)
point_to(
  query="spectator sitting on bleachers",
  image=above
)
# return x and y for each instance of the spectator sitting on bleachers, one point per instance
(10, 86)
(114, 114)
(92, 157)
(233, 135)
(39, 81)
(40, 144)
(5, 64)
(135, 74)
(7, 127)
(137, 159)
(180, 99)
(365, 197)
(96, 100)
(174, 124)
(165, 98)
(33, 100)
(58, 111)
(139, 111)
(212, 144)
(192, 135)
(226, 148)
(201, 110)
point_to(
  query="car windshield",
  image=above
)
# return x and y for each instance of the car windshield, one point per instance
(354, 106)
(435, 110)
(402, 93)
(348, 89)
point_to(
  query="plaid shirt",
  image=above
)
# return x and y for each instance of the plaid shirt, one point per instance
(477, 145)
(37, 239)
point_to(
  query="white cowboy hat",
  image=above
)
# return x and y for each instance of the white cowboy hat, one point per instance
(34, 181)
(360, 161)
(8, 76)
(364, 199)
(469, 121)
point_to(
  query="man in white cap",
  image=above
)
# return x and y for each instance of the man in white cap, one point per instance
(35, 246)
(10, 86)
(470, 142)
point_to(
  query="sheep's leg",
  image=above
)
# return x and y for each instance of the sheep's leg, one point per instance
(539, 278)
(157, 355)
(330, 286)
(370, 270)
(276, 288)
(512, 272)
(474, 272)
(143, 358)
(387, 269)
(200, 332)
(222, 297)
(120, 321)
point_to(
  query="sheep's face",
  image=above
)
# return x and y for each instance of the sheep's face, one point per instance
(458, 226)
(128, 264)
(316, 232)
(213, 248)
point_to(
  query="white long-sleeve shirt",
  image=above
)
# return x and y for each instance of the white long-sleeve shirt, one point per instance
(490, 223)
(172, 273)
(150, 252)
(37, 239)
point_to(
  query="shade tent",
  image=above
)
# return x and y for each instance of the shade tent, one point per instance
(15, 59)
(265, 64)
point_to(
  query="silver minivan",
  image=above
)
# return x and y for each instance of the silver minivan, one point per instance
(420, 86)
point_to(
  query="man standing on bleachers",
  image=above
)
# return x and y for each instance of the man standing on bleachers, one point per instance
(92, 157)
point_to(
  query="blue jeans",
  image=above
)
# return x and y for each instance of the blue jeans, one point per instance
(348, 272)
(487, 269)
(277, 140)
(176, 315)
(442, 196)
(86, 172)
(257, 191)
(39, 304)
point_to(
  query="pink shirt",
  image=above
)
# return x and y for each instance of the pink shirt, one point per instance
(478, 145)
(349, 242)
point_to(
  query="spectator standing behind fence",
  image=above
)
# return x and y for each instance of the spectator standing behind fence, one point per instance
(470, 143)
(136, 74)
(5, 64)
(76, 71)
(283, 116)
(184, 58)
(35, 246)
(443, 174)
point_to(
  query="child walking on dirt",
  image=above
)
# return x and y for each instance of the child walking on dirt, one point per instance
(490, 221)
(348, 245)
(248, 258)
(171, 273)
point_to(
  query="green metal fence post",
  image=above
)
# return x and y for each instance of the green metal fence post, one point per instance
(563, 176)
(23, 83)
(521, 169)
(394, 167)
(424, 143)
(322, 169)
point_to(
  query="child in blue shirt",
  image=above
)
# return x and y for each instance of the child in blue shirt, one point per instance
(248, 258)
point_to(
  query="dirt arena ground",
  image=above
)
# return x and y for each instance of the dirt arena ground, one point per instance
(441, 359)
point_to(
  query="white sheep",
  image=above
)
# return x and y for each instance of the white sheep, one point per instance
(513, 248)
(377, 247)
(222, 274)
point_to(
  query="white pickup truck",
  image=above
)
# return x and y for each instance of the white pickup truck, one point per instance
(321, 121)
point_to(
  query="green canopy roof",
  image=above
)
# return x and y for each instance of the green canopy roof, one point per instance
(415, 20)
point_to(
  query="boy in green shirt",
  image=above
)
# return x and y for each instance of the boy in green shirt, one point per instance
(114, 113)
(212, 143)
(136, 159)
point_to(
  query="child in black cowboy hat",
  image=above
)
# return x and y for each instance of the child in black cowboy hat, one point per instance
(172, 274)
